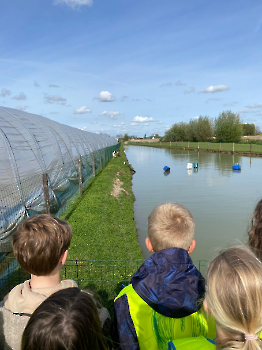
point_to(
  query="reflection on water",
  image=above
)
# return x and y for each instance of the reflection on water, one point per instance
(220, 200)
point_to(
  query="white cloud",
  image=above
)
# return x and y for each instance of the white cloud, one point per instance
(179, 83)
(189, 90)
(53, 113)
(212, 89)
(169, 84)
(74, 3)
(54, 86)
(244, 111)
(138, 119)
(36, 84)
(82, 110)
(5, 92)
(54, 99)
(106, 96)
(255, 105)
(123, 98)
(93, 122)
(112, 114)
(117, 126)
(133, 123)
(20, 96)
(22, 108)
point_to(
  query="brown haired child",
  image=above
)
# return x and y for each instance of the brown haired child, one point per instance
(40, 245)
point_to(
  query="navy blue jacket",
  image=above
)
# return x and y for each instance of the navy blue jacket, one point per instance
(169, 283)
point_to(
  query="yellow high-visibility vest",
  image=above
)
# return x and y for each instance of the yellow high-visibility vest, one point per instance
(154, 330)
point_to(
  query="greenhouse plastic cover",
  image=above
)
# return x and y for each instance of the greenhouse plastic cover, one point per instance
(31, 145)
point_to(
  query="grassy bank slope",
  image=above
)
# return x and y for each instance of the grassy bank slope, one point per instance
(103, 222)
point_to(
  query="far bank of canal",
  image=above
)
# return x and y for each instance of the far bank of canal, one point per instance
(221, 201)
(247, 149)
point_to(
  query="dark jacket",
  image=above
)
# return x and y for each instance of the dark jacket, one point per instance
(169, 283)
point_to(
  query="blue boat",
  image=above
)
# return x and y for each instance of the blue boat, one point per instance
(166, 168)
(236, 166)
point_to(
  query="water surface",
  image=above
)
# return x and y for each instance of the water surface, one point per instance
(221, 200)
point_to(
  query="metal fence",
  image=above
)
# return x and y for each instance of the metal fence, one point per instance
(247, 148)
(106, 277)
(40, 195)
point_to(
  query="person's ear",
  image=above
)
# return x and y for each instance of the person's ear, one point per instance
(63, 257)
(149, 245)
(192, 247)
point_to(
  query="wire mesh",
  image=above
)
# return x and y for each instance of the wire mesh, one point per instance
(106, 277)
(26, 198)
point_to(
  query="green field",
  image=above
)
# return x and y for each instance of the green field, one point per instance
(254, 149)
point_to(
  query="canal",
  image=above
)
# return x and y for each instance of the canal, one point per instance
(221, 200)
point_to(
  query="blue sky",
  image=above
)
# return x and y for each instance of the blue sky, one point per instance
(139, 66)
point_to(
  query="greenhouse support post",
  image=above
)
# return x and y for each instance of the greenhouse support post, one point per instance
(100, 159)
(80, 175)
(93, 163)
(46, 193)
(250, 147)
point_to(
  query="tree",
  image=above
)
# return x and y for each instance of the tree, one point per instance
(192, 130)
(228, 127)
(258, 131)
(249, 129)
(126, 137)
(178, 132)
(205, 129)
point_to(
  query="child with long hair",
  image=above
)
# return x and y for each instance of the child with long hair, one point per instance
(234, 299)
(255, 232)
(67, 320)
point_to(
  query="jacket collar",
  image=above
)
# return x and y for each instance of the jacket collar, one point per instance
(170, 283)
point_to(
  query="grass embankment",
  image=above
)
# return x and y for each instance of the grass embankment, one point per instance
(102, 219)
(240, 148)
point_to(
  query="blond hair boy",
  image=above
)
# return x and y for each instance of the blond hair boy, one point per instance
(162, 300)
(40, 246)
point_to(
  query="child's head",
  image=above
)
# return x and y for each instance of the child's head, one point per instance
(255, 232)
(234, 297)
(39, 243)
(170, 225)
(67, 320)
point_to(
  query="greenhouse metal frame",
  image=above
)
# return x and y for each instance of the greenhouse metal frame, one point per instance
(43, 164)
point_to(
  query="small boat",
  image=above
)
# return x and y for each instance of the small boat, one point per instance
(236, 166)
(189, 166)
(166, 168)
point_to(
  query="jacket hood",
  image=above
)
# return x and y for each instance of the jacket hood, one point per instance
(23, 299)
(170, 283)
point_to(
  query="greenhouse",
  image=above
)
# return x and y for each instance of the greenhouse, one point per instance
(43, 164)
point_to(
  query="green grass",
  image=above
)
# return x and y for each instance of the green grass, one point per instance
(103, 226)
(205, 146)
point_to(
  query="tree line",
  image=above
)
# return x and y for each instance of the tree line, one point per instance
(227, 127)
